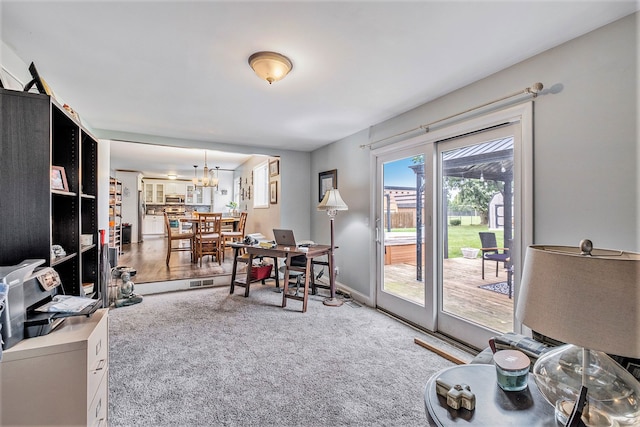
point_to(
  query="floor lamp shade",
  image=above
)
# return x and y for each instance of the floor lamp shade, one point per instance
(332, 203)
(589, 299)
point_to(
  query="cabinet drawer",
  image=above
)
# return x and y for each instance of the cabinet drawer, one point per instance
(97, 410)
(97, 355)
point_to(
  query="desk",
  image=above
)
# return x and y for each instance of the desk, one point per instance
(281, 252)
(494, 407)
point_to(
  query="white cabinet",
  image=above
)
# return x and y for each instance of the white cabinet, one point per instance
(153, 224)
(60, 378)
(172, 188)
(154, 193)
(198, 195)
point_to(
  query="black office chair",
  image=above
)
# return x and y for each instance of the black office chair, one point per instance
(491, 251)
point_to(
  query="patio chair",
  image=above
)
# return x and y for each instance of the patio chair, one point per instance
(491, 251)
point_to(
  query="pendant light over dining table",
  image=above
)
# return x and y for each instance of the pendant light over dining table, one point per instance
(209, 179)
(270, 66)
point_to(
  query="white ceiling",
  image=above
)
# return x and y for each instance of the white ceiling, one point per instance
(179, 69)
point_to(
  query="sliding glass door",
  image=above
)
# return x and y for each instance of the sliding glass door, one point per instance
(450, 225)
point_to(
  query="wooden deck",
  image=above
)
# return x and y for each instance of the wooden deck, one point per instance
(462, 297)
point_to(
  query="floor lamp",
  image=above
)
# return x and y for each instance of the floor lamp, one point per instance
(589, 299)
(332, 203)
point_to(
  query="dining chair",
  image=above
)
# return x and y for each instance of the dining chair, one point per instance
(208, 237)
(491, 251)
(234, 236)
(179, 237)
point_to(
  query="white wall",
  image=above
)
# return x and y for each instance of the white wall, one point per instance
(585, 148)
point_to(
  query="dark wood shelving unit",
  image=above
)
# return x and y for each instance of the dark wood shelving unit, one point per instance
(36, 134)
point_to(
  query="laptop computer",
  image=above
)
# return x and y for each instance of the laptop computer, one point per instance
(284, 237)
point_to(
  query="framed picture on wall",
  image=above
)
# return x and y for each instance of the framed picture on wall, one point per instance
(274, 168)
(273, 192)
(58, 179)
(326, 181)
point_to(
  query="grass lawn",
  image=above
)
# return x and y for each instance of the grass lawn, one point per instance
(464, 236)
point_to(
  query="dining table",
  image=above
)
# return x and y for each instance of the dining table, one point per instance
(190, 222)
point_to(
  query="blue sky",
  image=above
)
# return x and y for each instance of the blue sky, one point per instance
(397, 173)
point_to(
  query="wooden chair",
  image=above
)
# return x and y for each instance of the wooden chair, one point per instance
(234, 236)
(171, 237)
(208, 237)
(490, 251)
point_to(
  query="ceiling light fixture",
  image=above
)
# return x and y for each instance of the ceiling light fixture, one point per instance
(172, 176)
(270, 66)
(208, 178)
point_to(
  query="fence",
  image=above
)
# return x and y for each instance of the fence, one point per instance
(407, 219)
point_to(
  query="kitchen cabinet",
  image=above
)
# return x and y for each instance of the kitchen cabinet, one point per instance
(60, 378)
(154, 193)
(198, 195)
(37, 134)
(193, 195)
(153, 224)
(175, 188)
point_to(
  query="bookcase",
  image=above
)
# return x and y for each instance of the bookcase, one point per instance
(37, 134)
(115, 214)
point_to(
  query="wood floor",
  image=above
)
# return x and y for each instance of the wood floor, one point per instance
(149, 260)
(461, 296)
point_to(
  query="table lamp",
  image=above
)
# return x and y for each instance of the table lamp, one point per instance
(332, 203)
(590, 299)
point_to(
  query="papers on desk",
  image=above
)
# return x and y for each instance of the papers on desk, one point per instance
(66, 304)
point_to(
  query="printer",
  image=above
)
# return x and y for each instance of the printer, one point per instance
(28, 289)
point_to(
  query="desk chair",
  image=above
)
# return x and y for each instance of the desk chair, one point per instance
(234, 236)
(491, 251)
(208, 237)
(171, 237)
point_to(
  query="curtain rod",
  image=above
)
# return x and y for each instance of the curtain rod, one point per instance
(532, 90)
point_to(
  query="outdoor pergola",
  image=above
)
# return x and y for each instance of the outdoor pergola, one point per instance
(492, 161)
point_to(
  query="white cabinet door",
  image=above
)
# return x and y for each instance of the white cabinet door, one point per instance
(153, 224)
(154, 193)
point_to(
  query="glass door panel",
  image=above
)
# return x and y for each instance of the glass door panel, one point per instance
(403, 235)
(476, 220)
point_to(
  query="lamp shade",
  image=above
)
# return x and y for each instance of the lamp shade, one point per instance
(589, 300)
(270, 66)
(332, 201)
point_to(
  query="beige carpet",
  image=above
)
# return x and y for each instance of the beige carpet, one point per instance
(206, 358)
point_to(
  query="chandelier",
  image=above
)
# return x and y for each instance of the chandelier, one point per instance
(208, 178)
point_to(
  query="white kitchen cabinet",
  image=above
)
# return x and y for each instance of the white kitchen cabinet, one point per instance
(60, 378)
(153, 224)
(198, 195)
(175, 188)
(154, 193)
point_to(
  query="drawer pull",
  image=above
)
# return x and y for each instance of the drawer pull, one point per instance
(98, 347)
(101, 364)
(98, 407)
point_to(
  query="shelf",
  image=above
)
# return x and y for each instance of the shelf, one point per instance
(87, 196)
(63, 193)
(87, 248)
(61, 259)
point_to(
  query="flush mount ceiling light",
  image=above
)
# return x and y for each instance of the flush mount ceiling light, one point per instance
(270, 66)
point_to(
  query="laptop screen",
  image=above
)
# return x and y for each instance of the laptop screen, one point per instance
(284, 237)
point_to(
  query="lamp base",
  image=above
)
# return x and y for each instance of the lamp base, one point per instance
(332, 302)
(613, 392)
